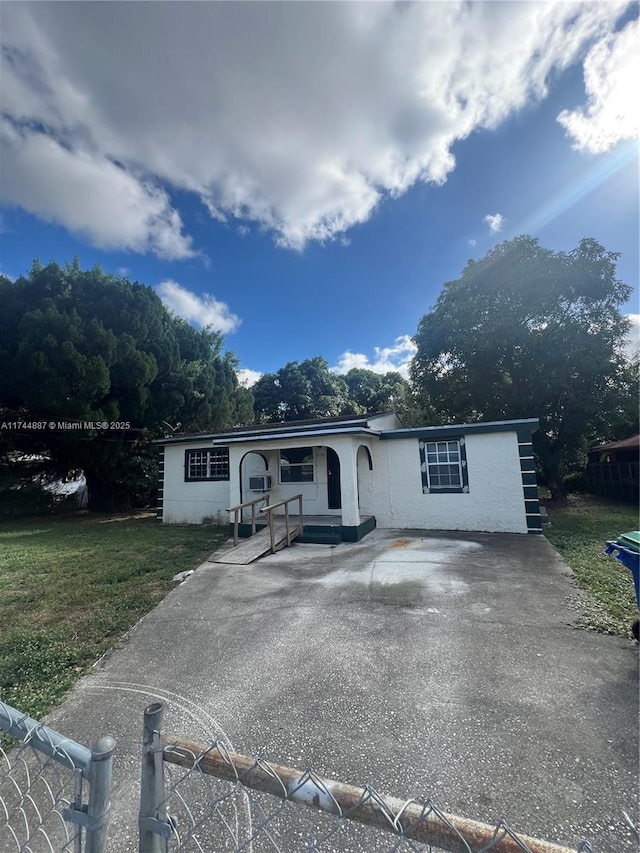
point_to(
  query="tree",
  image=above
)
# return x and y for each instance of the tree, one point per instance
(376, 392)
(383, 392)
(528, 332)
(85, 346)
(300, 391)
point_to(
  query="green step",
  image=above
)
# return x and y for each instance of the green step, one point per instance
(319, 538)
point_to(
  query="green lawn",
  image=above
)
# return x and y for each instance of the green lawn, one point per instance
(579, 532)
(71, 587)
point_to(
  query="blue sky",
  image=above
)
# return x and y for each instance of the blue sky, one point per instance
(306, 176)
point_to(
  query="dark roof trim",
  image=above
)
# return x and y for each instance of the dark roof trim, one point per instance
(337, 424)
(458, 430)
(281, 436)
(185, 439)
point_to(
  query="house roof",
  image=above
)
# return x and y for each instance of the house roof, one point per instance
(283, 429)
(527, 425)
(626, 444)
(349, 426)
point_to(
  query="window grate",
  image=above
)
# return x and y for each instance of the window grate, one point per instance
(207, 464)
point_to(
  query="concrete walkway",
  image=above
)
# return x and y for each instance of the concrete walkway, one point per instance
(439, 666)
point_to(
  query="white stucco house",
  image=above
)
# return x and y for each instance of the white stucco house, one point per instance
(358, 472)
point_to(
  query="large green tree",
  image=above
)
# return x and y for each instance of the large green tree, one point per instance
(376, 392)
(300, 391)
(383, 392)
(309, 389)
(529, 332)
(87, 346)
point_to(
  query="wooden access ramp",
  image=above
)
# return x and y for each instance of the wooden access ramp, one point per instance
(279, 532)
(258, 545)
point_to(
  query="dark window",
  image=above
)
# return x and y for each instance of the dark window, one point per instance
(296, 465)
(207, 464)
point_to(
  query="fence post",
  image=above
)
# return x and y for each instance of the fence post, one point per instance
(153, 824)
(99, 794)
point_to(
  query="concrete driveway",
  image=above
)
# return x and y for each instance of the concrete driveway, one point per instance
(440, 666)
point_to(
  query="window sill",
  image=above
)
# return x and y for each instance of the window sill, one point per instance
(447, 490)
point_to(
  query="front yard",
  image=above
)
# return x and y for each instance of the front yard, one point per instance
(579, 532)
(70, 588)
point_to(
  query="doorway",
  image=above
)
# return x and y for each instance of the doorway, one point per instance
(334, 492)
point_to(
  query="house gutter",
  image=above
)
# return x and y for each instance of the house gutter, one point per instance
(261, 439)
(458, 430)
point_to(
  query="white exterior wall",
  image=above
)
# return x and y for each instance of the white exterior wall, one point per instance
(494, 502)
(386, 421)
(314, 495)
(392, 491)
(253, 465)
(191, 502)
(366, 480)
(314, 500)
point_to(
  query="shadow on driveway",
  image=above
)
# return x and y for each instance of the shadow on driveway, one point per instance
(440, 666)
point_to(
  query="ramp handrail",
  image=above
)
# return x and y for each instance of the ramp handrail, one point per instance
(269, 510)
(237, 510)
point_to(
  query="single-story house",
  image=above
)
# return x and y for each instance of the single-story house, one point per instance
(627, 450)
(359, 472)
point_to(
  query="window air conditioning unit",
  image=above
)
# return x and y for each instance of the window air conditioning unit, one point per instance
(261, 483)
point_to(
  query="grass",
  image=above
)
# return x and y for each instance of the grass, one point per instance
(70, 588)
(579, 532)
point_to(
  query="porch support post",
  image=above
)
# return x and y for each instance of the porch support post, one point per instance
(235, 455)
(348, 455)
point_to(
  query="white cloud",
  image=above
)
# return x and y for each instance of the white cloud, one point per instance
(612, 112)
(395, 358)
(88, 194)
(495, 221)
(204, 310)
(247, 377)
(472, 242)
(300, 121)
(632, 343)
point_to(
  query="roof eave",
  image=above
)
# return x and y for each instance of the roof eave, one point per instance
(529, 425)
(263, 438)
(249, 432)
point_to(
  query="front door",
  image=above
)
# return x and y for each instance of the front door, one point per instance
(334, 494)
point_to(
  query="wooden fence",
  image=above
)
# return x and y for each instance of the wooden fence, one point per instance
(617, 480)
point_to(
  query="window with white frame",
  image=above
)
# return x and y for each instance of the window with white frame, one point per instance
(444, 466)
(211, 464)
(296, 465)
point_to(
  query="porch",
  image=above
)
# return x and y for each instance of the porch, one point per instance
(317, 529)
(332, 474)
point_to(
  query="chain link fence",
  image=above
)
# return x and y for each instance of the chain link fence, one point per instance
(43, 779)
(207, 799)
(54, 797)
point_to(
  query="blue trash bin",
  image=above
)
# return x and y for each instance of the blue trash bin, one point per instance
(624, 550)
